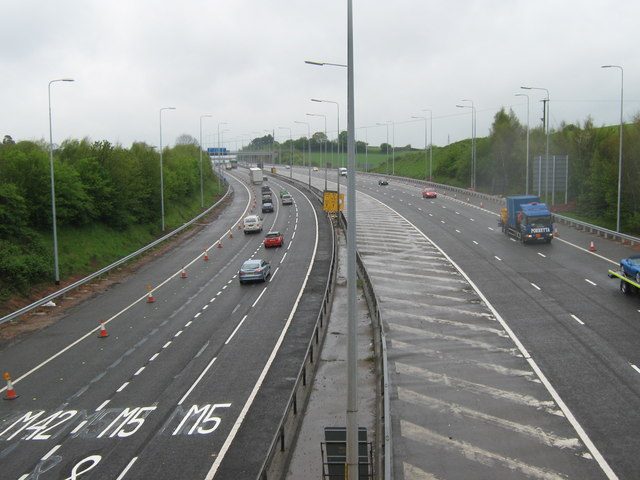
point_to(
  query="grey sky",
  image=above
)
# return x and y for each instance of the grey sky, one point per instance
(242, 61)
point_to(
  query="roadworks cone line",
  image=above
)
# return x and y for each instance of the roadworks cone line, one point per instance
(103, 331)
(11, 393)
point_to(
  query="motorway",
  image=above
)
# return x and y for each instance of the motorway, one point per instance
(191, 385)
(507, 360)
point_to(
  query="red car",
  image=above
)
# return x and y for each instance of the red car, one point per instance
(273, 239)
(429, 193)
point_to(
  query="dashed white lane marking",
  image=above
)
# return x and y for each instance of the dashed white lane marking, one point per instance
(635, 367)
(542, 255)
(458, 231)
(188, 323)
(589, 281)
(51, 452)
(197, 381)
(577, 319)
(475, 242)
(535, 286)
(259, 297)
(153, 357)
(497, 258)
(102, 405)
(197, 315)
(235, 330)
(122, 387)
(166, 344)
(126, 469)
(178, 333)
(139, 371)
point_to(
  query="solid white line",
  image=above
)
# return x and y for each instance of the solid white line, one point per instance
(265, 370)
(122, 387)
(589, 281)
(50, 452)
(104, 404)
(235, 330)
(577, 319)
(139, 371)
(197, 381)
(126, 469)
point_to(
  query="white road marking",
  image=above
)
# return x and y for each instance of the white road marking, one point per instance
(635, 367)
(589, 281)
(497, 258)
(188, 323)
(259, 297)
(197, 381)
(126, 469)
(102, 405)
(122, 387)
(205, 307)
(542, 255)
(474, 242)
(139, 371)
(50, 452)
(167, 344)
(197, 315)
(178, 333)
(535, 286)
(458, 231)
(79, 427)
(153, 357)
(577, 319)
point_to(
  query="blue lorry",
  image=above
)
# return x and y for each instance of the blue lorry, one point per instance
(527, 219)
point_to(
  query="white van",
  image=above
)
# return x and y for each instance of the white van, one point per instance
(343, 171)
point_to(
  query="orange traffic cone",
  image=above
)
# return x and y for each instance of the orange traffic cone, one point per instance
(555, 233)
(481, 204)
(150, 298)
(239, 227)
(11, 393)
(206, 254)
(231, 235)
(592, 247)
(183, 274)
(103, 331)
(468, 200)
(219, 244)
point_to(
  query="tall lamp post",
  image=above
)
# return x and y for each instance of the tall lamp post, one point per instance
(526, 188)
(325, 144)
(219, 147)
(426, 165)
(309, 142)
(473, 140)
(201, 181)
(338, 117)
(161, 181)
(430, 143)
(53, 187)
(386, 125)
(620, 149)
(546, 126)
(290, 151)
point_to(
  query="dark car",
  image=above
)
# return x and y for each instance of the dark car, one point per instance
(267, 207)
(266, 198)
(265, 189)
(383, 181)
(254, 270)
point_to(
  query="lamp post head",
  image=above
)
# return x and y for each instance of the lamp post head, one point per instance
(67, 79)
(314, 63)
(315, 100)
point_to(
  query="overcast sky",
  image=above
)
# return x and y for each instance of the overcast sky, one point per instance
(242, 61)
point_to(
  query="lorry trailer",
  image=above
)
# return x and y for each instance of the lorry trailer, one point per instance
(527, 219)
(255, 175)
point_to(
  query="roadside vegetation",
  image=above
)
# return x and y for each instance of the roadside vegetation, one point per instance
(107, 205)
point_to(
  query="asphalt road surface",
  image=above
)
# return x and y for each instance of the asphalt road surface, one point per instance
(191, 385)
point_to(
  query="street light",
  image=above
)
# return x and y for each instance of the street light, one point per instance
(201, 186)
(425, 145)
(53, 187)
(620, 149)
(473, 140)
(290, 151)
(161, 184)
(325, 144)
(219, 151)
(322, 64)
(546, 125)
(386, 125)
(430, 143)
(526, 188)
(339, 150)
(309, 142)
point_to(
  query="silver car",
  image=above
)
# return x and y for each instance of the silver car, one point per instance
(252, 223)
(254, 270)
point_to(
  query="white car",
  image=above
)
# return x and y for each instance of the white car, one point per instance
(252, 223)
(287, 199)
(343, 171)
